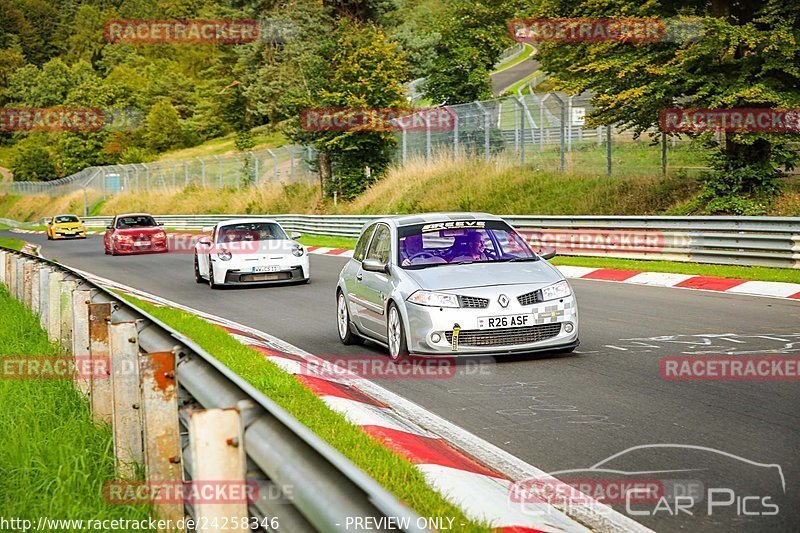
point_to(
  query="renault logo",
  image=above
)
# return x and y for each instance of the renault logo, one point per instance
(503, 300)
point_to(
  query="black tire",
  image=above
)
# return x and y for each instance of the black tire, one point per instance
(197, 277)
(343, 323)
(398, 351)
(211, 284)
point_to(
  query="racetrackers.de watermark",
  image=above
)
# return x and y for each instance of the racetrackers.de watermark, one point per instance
(69, 119)
(377, 119)
(731, 368)
(371, 367)
(753, 120)
(614, 29)
(45, 523)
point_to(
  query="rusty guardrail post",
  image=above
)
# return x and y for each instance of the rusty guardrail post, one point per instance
(162, 441)
(127, 420)
(80, 338)
(100, 395)
(35, 274)
(3, 256)
(65, 313)
(27, 273)
(54, 306)
(216, 441)
(44, 296)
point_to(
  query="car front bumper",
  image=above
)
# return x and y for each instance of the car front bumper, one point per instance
(69, 234)
(431, 330)
(154, 247)
(288, 270)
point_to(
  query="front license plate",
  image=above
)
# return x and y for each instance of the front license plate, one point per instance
(506, 321)
(141, 243)
(270, 268)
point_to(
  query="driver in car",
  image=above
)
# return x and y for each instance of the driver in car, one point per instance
(477, 247)
(412, 245)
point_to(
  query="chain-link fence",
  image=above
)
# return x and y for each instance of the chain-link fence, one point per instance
(547, 130)
(287, 164)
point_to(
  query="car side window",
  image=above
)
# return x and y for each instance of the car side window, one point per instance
(381, 244)
(361, 245)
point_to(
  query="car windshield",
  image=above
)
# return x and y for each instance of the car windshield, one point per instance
(458, 242)
(65, 219)
(138, 221)
(252, 231)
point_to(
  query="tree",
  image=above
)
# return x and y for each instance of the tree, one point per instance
(473, 34)
(162, 129)
(358, 68)
(748, 56)
(34, 163)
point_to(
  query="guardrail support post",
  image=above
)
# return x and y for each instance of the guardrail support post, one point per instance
(35, 274)
(100, 395)
(19, 278)
(27, 273)
(54, 306)
(216, 441)
(80, 337)
(65, 304)
(124, 348)
(3, 257)
(44, 297)
(162, 441)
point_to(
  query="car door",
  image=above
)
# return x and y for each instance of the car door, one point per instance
(376, 286)
(203, 254)
(350, 272)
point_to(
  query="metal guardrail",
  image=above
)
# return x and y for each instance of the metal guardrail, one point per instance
(752, 241)
(183, 415)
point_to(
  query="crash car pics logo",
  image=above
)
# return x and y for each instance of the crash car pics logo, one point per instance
(658, 492)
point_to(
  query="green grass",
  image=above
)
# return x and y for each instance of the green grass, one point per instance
(54, 460)
(263, 137)
(395, 473)
(513, 89)
(327, 241)
(724, 271)
(14, 244)
(525, 54)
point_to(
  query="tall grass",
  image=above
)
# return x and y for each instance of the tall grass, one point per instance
(53, 460)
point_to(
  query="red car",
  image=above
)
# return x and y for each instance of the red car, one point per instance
(134, 233)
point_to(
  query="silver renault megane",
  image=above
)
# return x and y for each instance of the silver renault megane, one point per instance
(453, 284)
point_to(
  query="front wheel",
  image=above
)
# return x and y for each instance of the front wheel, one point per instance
(346, 336)
(396, 335)
(211, 283)
(197, 277)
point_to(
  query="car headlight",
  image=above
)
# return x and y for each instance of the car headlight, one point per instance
(160, 235)
(555, 291)
(225, 255)
(298, 251)
(434, 299)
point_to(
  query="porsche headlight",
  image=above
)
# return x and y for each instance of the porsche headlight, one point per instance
(225, 255)
(298, 251)
(556, 291)
(434, 299)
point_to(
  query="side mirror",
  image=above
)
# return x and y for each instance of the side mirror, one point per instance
(295, 235)
(208, 229)
(547, 253)
(205, 241)
(374, 265)
(159, 223)
(109, 227)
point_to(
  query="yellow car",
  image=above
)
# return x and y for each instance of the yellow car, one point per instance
(65, 227)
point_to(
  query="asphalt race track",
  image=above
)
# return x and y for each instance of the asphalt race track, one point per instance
(570, 412)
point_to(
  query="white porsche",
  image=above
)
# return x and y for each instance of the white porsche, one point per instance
(249, 251)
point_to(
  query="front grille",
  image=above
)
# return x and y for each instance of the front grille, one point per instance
(257, 277)
(505, 337)
(530, 298)
(473, 302)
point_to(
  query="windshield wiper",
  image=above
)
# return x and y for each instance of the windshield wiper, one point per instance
(521, 259)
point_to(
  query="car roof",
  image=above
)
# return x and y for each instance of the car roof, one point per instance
(245, 221)
(67, 215)
(134, 215)
(428, 218)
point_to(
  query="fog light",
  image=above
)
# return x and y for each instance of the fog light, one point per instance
(568, 327)
(436, 337)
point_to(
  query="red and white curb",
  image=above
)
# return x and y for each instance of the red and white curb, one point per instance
(478, 481)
